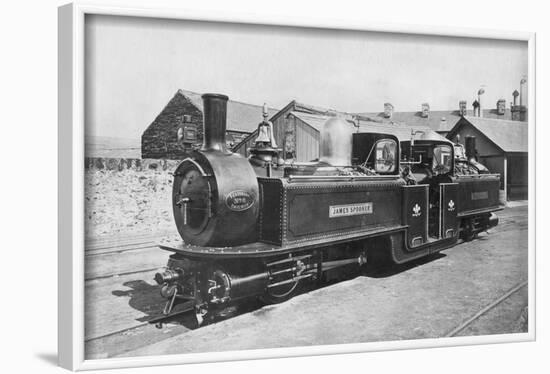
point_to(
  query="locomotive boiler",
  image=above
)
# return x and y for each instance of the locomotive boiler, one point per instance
(257, 227)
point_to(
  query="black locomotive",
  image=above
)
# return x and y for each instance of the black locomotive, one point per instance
(259, 227)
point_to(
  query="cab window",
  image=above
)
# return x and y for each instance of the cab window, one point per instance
(442, 159)
(386, 154)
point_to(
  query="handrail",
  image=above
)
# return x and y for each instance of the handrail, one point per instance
(326, 178)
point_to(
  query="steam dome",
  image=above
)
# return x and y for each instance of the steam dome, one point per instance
(336, 142)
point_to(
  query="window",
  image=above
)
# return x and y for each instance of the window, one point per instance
(187, 134)
(190, 134)
(442, 159)
(386, 154)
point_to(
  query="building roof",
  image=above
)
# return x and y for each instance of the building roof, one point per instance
(441, 121)
(316, 121)
(437, 120)
(240, 116)
(509, 136)
(401, 131)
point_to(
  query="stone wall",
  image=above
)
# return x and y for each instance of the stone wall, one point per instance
(160, 140)
(137, 164)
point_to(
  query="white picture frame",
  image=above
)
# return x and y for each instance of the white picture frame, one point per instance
(71, 186)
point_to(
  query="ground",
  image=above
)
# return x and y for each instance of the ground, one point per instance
(426, 299)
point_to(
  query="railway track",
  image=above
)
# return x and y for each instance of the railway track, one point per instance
(486, 309)
(119, 282)
(454, 332)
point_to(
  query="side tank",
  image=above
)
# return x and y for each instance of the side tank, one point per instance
(215, 195)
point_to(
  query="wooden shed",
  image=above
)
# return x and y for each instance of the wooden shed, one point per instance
(296, 129)
(502, 146)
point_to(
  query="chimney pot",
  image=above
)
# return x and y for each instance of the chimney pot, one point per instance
(501, 106)
(388, 110)
(425, 110)
(462, 107)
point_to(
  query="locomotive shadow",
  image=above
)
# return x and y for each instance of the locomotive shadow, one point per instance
(146, 298)
(394, 269)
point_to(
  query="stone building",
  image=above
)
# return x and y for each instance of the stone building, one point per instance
(178, 127)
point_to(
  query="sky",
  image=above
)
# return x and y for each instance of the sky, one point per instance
(134, 66)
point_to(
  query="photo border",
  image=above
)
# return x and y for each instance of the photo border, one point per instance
(71, 19)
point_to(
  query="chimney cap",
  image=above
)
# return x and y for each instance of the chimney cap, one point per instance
(481, 91)
(522, 81)
(515, 93)
(215, 96)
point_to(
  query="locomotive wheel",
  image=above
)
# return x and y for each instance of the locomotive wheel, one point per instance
(469, 233)
(469, 236)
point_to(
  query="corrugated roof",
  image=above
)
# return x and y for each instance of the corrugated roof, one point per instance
(510, 136)
(240, 116)
(401, 131)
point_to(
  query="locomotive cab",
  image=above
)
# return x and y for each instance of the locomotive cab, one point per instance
(426, 160)
(376, 153)
(431, 163)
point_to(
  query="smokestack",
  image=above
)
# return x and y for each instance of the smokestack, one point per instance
(215, 116)
(480, 109)
(522, 92)
(515, 94)
(470, 145)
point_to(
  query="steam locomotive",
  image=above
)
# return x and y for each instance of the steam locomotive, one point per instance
(259, 227)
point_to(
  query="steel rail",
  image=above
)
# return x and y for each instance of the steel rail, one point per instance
(121, 274)
(86, 340)
(129, 243)
(484, 310)
(99, 242)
